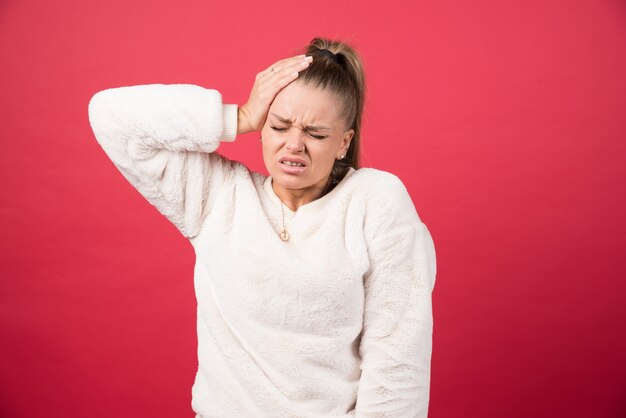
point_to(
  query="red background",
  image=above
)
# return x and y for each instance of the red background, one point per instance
(505, 120)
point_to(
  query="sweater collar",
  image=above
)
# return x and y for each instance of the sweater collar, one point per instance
(311, 206)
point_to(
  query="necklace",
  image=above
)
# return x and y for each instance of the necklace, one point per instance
(284, 235)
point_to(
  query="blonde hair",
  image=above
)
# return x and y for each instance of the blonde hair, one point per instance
(340, 72)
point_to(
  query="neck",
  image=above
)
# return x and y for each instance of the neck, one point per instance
(294, 198)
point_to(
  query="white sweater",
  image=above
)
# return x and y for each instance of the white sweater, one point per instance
(335, 322)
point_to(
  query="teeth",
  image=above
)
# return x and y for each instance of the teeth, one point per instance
(291, 163)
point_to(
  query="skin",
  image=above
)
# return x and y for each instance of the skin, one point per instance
(284, 111)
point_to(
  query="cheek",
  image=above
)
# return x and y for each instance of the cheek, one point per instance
(269, 145)
(324, 153)
(265, 148)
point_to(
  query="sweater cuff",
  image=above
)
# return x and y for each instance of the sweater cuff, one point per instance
(229, 115)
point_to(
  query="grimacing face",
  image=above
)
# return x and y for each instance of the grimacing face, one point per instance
(304, 124)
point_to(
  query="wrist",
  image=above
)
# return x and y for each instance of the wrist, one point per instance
(243, 125)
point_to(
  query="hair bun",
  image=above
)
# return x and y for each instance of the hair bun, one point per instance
(329, 54)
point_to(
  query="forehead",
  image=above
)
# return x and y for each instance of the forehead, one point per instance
(307, 105)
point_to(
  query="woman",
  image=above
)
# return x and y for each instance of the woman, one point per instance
(313, 283)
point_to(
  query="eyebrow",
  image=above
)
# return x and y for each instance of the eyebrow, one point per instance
(310, 127)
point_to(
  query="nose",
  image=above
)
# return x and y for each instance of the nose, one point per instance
(295, 143)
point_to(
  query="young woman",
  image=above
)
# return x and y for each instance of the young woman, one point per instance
(313, 283)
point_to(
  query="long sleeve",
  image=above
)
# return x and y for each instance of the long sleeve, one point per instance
(396, 341)
(161, 137)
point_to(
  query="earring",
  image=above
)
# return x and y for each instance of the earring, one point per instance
(342, 155)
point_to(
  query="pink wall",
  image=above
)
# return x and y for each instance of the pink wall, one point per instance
(506, 121)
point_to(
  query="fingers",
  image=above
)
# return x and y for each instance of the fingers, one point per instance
(290, 65)
(267, 84)
(281, 63)
(285, 71)
(285, 74)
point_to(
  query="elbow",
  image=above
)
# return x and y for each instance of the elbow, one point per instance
(96, 105)
(98, 114)
(94, 110)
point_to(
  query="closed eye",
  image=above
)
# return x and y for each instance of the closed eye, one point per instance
(284, 129)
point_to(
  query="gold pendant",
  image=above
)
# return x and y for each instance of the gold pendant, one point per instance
(284, 235)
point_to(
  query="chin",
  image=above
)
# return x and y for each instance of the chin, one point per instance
(289, 181)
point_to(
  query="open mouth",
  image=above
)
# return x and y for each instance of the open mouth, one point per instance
(292, 163)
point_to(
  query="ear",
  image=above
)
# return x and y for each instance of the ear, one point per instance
(345, 141)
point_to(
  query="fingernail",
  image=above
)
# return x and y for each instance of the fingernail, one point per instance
(309, 58)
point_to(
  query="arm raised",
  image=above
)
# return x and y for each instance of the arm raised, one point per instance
(162, 138)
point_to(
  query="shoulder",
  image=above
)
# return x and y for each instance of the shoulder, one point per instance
(376, 177)
(385, 194)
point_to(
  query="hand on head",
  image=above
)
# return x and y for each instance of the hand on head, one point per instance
(251, 116)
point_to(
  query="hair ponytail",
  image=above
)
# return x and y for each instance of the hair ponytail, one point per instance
(341, 72)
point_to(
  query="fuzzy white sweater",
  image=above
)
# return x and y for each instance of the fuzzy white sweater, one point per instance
(336, 322)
